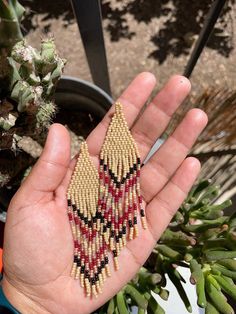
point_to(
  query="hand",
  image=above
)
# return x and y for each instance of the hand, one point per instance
(38, 246)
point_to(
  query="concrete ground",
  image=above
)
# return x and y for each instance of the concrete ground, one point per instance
(151, 35)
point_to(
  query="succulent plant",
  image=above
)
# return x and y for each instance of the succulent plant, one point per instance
(200, 237)
(28, 79)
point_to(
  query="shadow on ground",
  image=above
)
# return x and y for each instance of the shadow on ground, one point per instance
(51, 9)
(181, 22)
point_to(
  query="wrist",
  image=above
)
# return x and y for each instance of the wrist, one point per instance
(21, 302)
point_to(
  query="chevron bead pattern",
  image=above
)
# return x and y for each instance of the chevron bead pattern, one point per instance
(120, 198)
(90, 250)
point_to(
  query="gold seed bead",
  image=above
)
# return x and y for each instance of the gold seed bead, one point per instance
(94, 292)
(131, 233)
(144, 222)
(82, 280)
(73, 270)
(77, 275)
(108, 272)
(136, 232)
(116, 263)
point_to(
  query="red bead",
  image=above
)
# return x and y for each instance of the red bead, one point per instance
(106, 180)
(138, 173)
(76, 244)
(126, 188)
(140, 199)
(100, 175)
(94, 233)
(70, 216)
(76, 220)
(120, 194)
(99, 202)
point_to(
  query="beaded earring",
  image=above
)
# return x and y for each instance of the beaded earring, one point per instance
(120, 198)
(90, 250)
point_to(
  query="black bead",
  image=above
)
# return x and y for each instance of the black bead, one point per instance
(142, 213)
(102, 264)
(101, 161)
(128, 175)
(124, 229)
(118, 184)
(96, 277)
(135, 167)
(69, 202)
(117, 239)
(94, 219)
(82, 269)
(104, 229)
(123, 180)
(93, 281)
(98, 215)
(112, 233)
(86, 274)
(130, 224)
(138, 161)
(74, 207)
(105, 167)
(106, 260)
(79, 263)
(90, 224)
(99, 269)
(86, 220)
(135, 220)
(75, 259)
(114, 253)
(131, 170)
(109, 224)
(120, 235)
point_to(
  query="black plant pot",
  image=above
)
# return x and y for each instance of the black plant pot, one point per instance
(73, 96)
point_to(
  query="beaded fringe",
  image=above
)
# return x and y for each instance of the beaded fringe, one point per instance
(90, 250)
(119, 193)
(103, 208)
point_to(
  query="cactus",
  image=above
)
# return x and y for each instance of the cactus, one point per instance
(28, 78)
(201, 241)
(11, 14)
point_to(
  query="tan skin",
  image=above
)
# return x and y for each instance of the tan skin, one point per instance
(38, 247)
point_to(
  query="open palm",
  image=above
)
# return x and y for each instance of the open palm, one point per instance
(38, 245)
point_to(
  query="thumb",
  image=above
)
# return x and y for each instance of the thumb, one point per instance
(51, 167)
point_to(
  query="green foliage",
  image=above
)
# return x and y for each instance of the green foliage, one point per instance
(200, 237)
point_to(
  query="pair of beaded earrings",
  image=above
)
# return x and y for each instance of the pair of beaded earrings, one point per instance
(103, 205)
